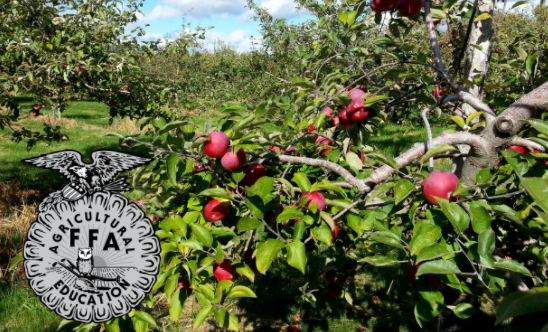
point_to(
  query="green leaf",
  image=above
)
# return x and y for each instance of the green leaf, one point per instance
(296, 255)
(302, 181)
(354, 161)
(538, 190)
(387, 238)
(171, 284)
(290, 213)
(472, 116)
(266, 252)
(16, 260)
(530, 63)
(348, 18)
(322, 233)
(241, 291)
(521, 303)
(458, 120)
(244, 270)
(482, 16)
(298, 230)
(521, 53)
(247, 223)
(171, 126)
(506, 212)
(202, 315)
(424, 312)
(456, 215)
(217, 192)
(176, 305)
(439, 266)
(202, 234)
(540, 126)
(402, 189)
(192, 244)
(438, 14)
(426, 235)
(378, 260)
(262, 188)
(465, 310)
(145, 317)
(432, 252)
(481, 219)
(519, 3)
(438, 150)
(510, 265)
(110, 326)
(486, 246)
(172, 163)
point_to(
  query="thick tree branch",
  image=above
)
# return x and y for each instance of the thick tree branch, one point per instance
(384, 172)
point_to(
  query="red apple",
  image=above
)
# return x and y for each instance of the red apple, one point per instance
(314, 197)
(335, 122)
(437, 92)
(440, 184)
(330, 276)
(379, 6)
(496, 50)
(198, 167)
(311, 138)
(223, 271)
(231, 161)
(355, 94)
(376, 300)
(215, 210)
(363, 87)
(345, 122)
(184, 284)
(276, 149)
(335, 232)
(436, 22)
(297, 318)
(253, 173)
(355, 105)
(334, 290)
(517, 148)
(294, 328)
(217, 145)
(360, 115)
(409, 8)
(328, 111)
(411, 275)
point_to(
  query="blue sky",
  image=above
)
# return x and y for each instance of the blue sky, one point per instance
(232, 20)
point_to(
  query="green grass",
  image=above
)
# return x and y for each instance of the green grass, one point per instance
(22, 311)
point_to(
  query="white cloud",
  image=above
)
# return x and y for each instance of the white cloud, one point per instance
(282, 8)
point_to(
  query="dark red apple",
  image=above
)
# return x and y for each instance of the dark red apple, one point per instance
(379, 6)
(314, 197)
(345, 122)
(253, 173)
(440, 184)
(496, 50)
(355, 105)
(223, 271)
(184, 284)
(437, 92)
(411, 275)
(215, 210)
(436, 22)
(231, 161)
(517, 148)
(330, 276)
(335, 231)
(409, 8)
(360, 115)
(217, 144)
(294, 328)
(334, 290)
(355, 94)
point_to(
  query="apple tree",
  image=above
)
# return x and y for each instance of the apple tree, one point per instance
(295, 176)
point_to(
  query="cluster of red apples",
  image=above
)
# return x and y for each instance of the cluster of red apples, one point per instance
(354, 113)
(406, 8)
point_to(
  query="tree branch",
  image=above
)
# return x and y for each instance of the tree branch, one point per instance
(526, 143)
(346, 175)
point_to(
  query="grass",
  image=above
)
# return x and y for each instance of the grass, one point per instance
(86, 125)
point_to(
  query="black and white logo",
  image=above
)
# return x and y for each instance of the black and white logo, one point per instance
(91, 255)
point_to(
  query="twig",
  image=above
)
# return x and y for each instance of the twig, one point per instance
(424, 115)
(348, 208)
(526, 143)
(433, 37)
(491, 198)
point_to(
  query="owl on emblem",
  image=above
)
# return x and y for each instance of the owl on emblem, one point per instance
(84, 261)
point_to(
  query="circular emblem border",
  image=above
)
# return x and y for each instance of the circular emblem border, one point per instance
(34, 246)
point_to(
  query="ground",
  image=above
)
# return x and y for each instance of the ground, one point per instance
(87, 124)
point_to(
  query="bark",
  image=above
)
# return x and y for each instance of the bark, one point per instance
(500, 132)
(477, 59)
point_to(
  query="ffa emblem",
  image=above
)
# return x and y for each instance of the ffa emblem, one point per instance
(91, 255)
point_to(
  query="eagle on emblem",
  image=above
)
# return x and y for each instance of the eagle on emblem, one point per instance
(86, 179)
